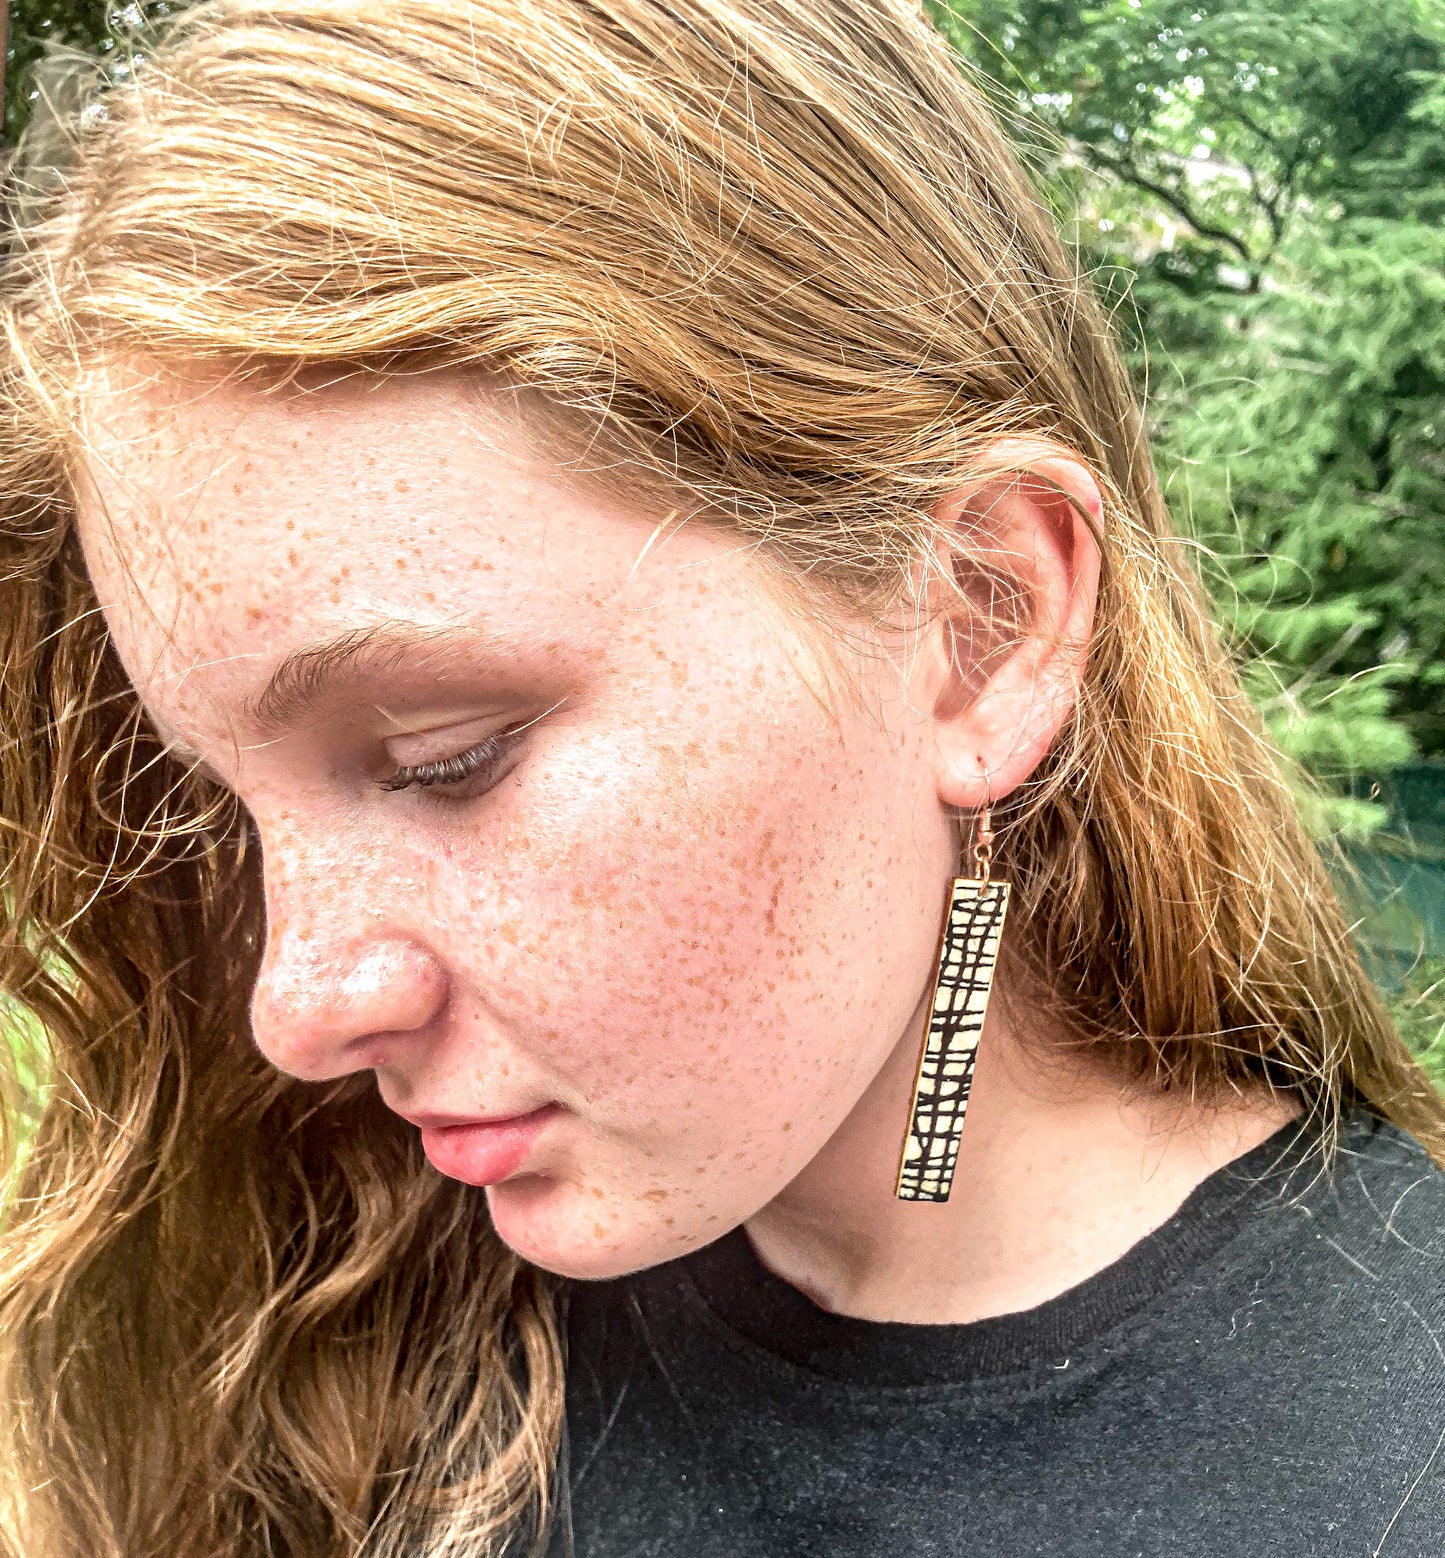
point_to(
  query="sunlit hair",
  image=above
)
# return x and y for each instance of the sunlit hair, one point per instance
(772, 258)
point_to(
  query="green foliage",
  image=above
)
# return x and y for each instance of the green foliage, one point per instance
(33, 25)
(94, 26)
(1260, 190)
(1419, 1012)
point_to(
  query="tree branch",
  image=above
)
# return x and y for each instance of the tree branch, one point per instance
(1123, 169)
(1226, 106)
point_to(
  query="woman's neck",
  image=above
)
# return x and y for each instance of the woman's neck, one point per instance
(1061, 1168)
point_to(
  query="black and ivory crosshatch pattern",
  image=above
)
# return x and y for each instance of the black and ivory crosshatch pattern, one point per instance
(945, 1070)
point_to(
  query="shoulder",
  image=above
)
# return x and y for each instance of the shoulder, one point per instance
(1348, 1250)
(1318, 1338)
(1353, 1247)
(1371, 1221)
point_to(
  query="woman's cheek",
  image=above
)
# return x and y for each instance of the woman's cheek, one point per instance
(646, 971)
(679, 992)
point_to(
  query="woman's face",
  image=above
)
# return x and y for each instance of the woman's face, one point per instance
(678, 899)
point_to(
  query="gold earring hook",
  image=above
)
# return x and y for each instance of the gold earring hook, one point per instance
(983, 830)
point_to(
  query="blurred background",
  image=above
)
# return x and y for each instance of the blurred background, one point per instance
(1258, 191)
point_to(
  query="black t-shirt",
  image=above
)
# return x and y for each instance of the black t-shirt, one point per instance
(1263, 1375)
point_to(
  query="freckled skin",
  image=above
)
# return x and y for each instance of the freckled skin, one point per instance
(699, 913)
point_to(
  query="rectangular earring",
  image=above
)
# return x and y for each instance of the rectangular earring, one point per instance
(967, 953)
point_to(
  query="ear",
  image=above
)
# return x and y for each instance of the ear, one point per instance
(1012, 617)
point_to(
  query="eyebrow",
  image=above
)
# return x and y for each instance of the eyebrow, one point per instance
(307, 676)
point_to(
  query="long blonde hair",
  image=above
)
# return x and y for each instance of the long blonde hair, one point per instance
(775, 256)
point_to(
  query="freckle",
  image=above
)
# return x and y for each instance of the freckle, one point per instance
(403, 486)
(787, 1125)
(254, 613)
(290, 523)
(401, 562)
(597, 1191)
(293, 557)
(216, 589)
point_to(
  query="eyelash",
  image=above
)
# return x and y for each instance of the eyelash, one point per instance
(454, 770)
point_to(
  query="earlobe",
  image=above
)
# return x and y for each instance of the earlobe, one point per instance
(1015, 670)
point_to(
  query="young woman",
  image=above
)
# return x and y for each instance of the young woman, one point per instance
(540, 538)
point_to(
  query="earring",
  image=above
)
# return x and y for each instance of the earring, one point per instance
(967, 953)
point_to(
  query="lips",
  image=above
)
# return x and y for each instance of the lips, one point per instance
(482, 1152)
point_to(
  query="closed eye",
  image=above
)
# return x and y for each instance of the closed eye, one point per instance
(486, 763)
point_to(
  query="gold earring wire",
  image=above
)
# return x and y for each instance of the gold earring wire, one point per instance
(967, 954)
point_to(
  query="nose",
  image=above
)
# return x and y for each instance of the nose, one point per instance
(325, 1007)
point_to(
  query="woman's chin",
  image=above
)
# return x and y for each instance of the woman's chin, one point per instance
(571, 1232)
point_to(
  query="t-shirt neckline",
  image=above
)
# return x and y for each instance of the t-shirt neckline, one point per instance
(770, 1313)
